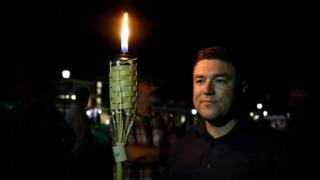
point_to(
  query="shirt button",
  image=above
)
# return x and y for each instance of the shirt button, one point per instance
(208, 165)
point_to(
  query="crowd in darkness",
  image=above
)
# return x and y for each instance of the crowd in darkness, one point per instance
(38, 141)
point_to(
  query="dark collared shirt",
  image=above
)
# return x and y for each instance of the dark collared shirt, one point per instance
(248, 152)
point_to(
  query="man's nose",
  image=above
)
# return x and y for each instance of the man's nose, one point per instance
(209, 88)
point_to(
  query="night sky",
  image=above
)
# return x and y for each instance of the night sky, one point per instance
(278, 41)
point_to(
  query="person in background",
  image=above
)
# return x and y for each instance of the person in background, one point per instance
(39, 139)
(79, 121)
(224, 145)
(302, 131)
(152, 135)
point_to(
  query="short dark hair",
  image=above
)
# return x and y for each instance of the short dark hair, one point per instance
(233, 58)
(222, 54)
(215, 52)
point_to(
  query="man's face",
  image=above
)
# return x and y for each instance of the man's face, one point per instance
(147, 92)
(214, 84)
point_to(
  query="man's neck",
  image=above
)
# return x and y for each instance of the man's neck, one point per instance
(217, 132)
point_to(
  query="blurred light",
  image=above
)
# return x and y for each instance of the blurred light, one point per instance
(67, 96)
(99, 101)
(73, 97)
(99, 84)
(99, 111)
(92, 113)
(66, 74)
(259, 106)
(288, 115)
(89, 104)
(251, 114)
(88, 112)
(183, 119)
(256, 117)
(99, 91)
(265, 113)
(193, 111)
(105, 118)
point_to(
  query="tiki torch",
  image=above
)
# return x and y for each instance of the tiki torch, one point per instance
(123, 93)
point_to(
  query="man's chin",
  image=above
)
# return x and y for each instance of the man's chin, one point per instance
(218, 121)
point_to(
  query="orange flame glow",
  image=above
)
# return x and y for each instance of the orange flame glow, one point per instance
(124, 34)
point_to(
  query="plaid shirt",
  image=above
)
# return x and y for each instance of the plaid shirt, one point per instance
(156, 131)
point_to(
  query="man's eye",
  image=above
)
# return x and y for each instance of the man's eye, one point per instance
(199, 81)
(220, 81)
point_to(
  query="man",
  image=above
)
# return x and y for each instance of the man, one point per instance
(80, 153)
(38, 138)
(302, 131)
(223, 146)
(151, 136)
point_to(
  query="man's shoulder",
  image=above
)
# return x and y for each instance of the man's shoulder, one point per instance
(265, 133)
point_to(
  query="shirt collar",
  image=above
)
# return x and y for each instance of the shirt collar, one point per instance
(202, 130)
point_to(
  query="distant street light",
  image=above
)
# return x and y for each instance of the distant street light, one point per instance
(193, 111)
(66, 75)
(265, 113)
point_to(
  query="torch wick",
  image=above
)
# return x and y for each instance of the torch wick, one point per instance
(124, 54)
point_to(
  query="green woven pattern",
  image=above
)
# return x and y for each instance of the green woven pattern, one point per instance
(123, 93)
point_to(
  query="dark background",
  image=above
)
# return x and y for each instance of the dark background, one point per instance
(277, 41)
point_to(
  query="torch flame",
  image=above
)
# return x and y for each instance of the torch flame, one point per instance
(124, 34)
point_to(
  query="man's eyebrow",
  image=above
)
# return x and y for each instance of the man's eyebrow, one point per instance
(227, 75)
(223, 75)
(199, 76)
